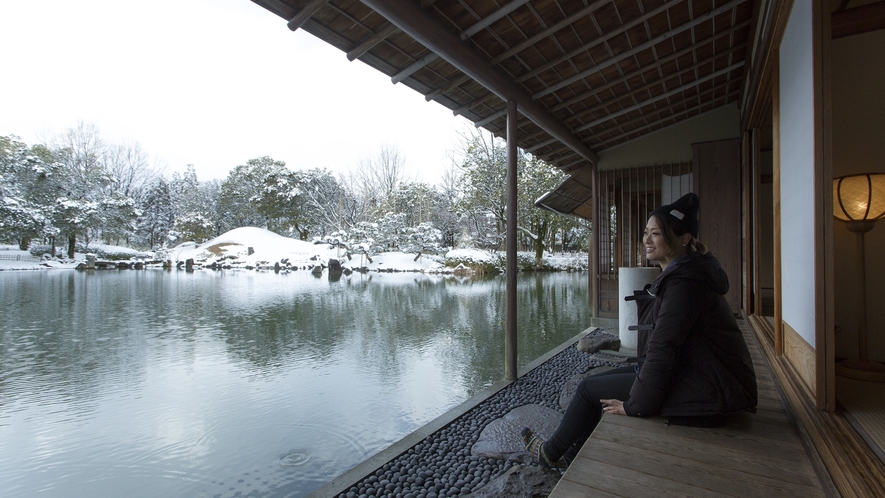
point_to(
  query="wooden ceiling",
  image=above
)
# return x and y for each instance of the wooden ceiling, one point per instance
(586, 75)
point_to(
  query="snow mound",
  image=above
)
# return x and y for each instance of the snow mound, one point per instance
(257, 247)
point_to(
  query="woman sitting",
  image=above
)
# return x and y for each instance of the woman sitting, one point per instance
(695, 368)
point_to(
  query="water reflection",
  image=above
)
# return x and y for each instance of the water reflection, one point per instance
(150, 383)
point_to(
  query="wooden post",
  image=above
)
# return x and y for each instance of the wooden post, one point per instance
(510, 323)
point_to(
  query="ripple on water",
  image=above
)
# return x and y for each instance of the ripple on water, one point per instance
(294, 458)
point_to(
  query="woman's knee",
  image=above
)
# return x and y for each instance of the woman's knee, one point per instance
(587, 392)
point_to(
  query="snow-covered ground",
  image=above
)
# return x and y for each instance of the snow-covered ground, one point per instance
(250, 247)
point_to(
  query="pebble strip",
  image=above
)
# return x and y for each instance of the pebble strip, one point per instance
(441, 465)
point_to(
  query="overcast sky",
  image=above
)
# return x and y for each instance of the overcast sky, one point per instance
(211, 83)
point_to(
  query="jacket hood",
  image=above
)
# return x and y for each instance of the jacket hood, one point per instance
(694, 266)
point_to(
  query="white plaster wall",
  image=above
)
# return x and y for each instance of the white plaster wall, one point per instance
(858, 74)
(673, 144)
(797, 172)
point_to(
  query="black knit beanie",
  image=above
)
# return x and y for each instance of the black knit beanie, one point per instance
(682, 214)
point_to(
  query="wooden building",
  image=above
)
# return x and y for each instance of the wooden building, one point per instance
(755, 105)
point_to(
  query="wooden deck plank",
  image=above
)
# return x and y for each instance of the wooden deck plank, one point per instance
(745, 436)
(602, 477)
(568, 489)
(761, 463)
(655, 469)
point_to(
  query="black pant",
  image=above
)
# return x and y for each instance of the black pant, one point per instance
(585, 410)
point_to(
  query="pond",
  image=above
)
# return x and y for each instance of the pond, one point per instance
(155, 383)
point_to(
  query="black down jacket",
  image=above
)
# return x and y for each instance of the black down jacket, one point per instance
(696, 360)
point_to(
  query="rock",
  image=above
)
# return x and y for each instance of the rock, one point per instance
(334, 265)
(501, 437)
(521, 481)
(593, 343)
(571, 385)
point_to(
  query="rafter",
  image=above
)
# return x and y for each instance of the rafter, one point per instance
(639, 48)
(488, 20)
(304, 14)
(643, 69)
(460, 80)
(657, 82)
(470, 105)
(489, 119)
(378, 37)
(656, 98)
(595, 42)
(547, 32)
(414, 67)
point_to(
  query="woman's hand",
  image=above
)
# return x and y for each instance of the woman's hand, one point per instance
(614, 406)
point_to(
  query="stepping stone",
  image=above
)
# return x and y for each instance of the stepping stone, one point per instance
(593, 343)
(571, 385)
(501, 437)
(520, 481)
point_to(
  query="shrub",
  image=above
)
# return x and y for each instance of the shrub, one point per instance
(479, 261)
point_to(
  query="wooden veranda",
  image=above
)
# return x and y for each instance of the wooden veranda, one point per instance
(596, 85)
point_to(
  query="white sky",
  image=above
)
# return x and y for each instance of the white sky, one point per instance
(207, 82)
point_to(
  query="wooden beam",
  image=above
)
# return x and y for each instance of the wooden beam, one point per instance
(747, 224)
(537, 146)
(371, 41)
(489, 119)
(414, 67)
(488, 20)
(659, 97)
(470, 105)
(418, 24)
(639, 48)
(304, 14)
(776, 200)
(448, 86)
(857, 20)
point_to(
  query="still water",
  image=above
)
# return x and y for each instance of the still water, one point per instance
(174, 384)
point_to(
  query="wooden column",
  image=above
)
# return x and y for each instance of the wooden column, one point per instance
(717, 170)
(594, 246)
(776, 200)
(510, 325)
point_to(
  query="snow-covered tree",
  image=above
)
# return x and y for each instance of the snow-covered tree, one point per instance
(89, 196)
(243, 190)
(537, 225)
(157, 214)
(192, 227)
(444, 211)
(26, 190)
(482, 184)
(424, 238)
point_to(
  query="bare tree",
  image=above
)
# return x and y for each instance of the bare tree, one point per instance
(128, 166)
(377, 178)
